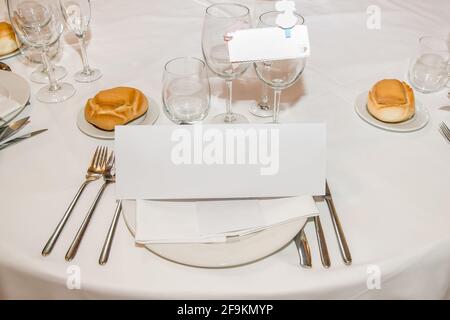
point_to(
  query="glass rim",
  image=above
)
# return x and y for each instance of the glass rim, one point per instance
(183, 58)
(299, 17)
(228, 4)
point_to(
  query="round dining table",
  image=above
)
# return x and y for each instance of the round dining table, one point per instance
(391, 189)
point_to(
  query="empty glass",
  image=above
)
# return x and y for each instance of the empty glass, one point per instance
(221, 19)
(38, 24)
(429, 70)
(77, 14)
(279, 74)
(262, 108)
(186, 92)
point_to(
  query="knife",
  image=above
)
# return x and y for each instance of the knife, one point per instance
(324, 255)
(13, 128)
(21, 138)
(303, 249)
(343, 246)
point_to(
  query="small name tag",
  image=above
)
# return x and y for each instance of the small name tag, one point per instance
(268, 44)
(220, 161)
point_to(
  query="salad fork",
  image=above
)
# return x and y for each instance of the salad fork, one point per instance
(109, 176)
(94, 172)
(445, 131)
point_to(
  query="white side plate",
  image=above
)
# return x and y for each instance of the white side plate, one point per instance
(417, 122)
(9, 55)
(245, 249)
(147, 119)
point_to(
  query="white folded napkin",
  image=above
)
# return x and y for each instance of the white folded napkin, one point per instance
(7, 105)
(214, 220)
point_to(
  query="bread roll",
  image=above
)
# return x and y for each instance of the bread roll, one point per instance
(113, 107)
(391, 100)
(8, 42)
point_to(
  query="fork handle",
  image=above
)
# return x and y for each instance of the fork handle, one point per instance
(51, 242)
(342, 242)
(303, 249)
(324, 255)
(104, 255)
(79, 236)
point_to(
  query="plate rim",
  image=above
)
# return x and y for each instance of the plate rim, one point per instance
(10, 55)
(389, 126)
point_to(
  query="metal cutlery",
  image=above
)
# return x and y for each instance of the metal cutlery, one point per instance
(4, 67)
(21, 138)
(13, 128)
(94, 172)
(324, 256)
(304, 250)
(104, 255)
(445, 131)
(108, 177)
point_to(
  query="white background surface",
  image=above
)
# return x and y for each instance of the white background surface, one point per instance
(391, 190)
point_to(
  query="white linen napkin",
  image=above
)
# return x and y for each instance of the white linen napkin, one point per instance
(7, 105)
(214, 220)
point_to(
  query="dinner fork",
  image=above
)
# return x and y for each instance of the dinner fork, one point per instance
(445, 131)
(94, 172)
(109, 176)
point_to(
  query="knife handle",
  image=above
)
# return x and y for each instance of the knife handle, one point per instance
(303, 249)
(324, 255)
(343, 246)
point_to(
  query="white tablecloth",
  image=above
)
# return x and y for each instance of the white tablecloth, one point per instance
(391, 190)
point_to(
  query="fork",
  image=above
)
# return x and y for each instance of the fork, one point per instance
(445, 131)
(109, 176)
(94, 172)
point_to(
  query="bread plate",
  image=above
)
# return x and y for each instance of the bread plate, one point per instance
(417, 122)
(148, 118)
(10, 55)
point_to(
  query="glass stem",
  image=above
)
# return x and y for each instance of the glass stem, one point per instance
(50, 71)
(264, 97)
(276, 105)
(86, 69)
(229, 115)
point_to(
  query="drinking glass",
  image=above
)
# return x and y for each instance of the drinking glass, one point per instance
(77, 14)
(186, 92)
(221, 19)
(38, 24)
(262, 108)
(429, 70)
(279, 74)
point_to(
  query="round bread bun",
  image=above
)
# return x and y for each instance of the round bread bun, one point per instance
(392, 101)
(114, 107)
(8, 42)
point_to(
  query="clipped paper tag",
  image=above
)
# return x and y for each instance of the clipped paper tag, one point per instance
(268, 44)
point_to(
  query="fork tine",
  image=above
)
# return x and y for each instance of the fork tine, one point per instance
(103, 160)
(445, 131)
(100, 155)
(111, 160)
(94, 157)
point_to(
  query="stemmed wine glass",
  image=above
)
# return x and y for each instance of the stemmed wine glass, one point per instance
(221, 19)
(38, 24)
(77, 14)
(262, 108)
(279, 74)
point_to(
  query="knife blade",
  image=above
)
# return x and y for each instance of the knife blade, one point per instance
(13, 128)
(21, 138)
(342, 242)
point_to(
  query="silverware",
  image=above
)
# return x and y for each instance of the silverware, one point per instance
(4, 67)
(342, 242)
(303, 249)
(94, 172)
(21, 138)
(13, 128)
(104, 255)
(108, 177)
(445, 131)
(324, 256)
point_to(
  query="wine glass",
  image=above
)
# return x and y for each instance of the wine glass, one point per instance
(221, 19)
(77, 14)
(186, 91)
(262, 108)
(38, 24)
(279, 74)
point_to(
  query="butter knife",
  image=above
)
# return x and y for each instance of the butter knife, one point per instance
(303, 249)
(13, 128)
(21, 138)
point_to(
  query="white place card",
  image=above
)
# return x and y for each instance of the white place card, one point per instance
(268, 44)
(220, 161)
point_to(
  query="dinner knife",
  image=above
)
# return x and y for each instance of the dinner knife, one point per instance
(342, 242)
(303, 249)
(13, 128)
(324, 255)
(21, 138)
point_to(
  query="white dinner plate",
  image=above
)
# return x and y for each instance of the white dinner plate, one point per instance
(245, 249)
(147, 119)
(417, 122)
(15, 88)
(10, 55)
